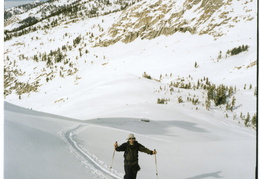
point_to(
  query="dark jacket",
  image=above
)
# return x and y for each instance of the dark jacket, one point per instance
(131, 152)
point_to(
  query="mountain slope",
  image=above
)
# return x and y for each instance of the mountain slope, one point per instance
(26, 16)
(180, 75)
(150, 19)
(53, 66)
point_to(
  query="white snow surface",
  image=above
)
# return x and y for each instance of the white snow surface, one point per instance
(41, 145)
(107, 98)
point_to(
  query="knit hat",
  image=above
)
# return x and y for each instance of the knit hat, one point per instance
(130, 136)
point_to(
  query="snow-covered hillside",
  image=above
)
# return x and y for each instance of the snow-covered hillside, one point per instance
(55, 70)
(190, 67)
(41, 145)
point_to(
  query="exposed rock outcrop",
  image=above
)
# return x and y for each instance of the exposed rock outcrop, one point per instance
(150, 19)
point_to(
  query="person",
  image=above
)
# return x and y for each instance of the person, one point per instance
(130, 149)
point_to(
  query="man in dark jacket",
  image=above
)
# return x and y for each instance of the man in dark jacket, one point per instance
(131, 148)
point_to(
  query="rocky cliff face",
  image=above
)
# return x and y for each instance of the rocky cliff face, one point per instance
(150, 19)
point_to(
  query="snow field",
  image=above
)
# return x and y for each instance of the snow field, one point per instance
(188, 147)
(192, 143)
(33, 147)
(122, 76)
(181, 146)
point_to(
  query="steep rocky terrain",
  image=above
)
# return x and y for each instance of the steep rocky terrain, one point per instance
(150, 19)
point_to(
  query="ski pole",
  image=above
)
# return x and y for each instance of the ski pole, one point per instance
(156, 163)
(113, 156)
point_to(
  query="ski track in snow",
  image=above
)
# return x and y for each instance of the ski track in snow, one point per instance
(230, 147)
(84, 156)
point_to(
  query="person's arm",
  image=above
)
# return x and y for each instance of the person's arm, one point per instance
(146, 150)
(120, 148)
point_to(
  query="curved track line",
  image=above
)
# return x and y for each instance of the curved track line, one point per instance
(68, 136)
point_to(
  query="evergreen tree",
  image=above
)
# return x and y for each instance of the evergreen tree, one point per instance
(180, 99)
(220, 97)
(233, 103)
(254, 120)
(196, 65)
(220, 55)
(207, 103)
(247, 120)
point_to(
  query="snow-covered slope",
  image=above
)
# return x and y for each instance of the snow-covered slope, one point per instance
(60, 67)
(33, 147)
(196, 83)
(109, 79)
(26, 16)
(41, 145)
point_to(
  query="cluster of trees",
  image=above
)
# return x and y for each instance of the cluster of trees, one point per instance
(219, 95)
(22, 30)
(237, 50)
(29, 25)
(51, 58)
(22, 87)
(54, 56)
(162, 101)
(234, 51)
(181, 84)
(57, 56)
(57, 15)
(194, 100)
(12, 84)
(249, 121)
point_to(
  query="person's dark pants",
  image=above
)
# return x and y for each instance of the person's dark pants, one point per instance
(131, 171)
